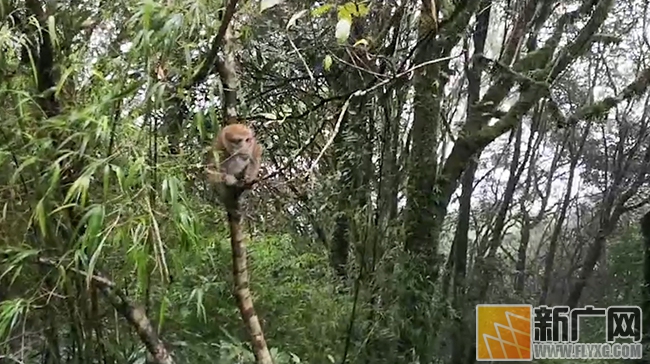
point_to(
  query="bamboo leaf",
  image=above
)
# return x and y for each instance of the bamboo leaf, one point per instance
(266, 4)
(41, 217)
(51, 30)
(294, 18)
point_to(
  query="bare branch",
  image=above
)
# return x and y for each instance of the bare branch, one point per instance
(133, 314)
(210, 60)
(636, 88)
(364, 92)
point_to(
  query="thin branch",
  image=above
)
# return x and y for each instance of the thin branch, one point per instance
(306, 145)
(364, 92)
(302, 59)
(348, 98)
(210, 59)
(133, 314)
(636, 88)
(337, 127)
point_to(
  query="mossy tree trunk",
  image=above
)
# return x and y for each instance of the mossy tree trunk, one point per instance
(426, 204)
(431, 186)
(458, 255)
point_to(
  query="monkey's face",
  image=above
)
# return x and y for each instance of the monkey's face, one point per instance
(241, 143)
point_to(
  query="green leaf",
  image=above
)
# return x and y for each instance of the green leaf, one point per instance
(199, 121)
(161, 313)
(41, 217)
(321, 10)
(327, 62)
(135, 172)
(79, 190)
(173, 190)
(347, 11)
(200, 309)
(119, 173)
(165, 188)
(343, 30)
(362, 9)
(51, 29)
(95, 218)
(295, 18)
(107, 179)
(29, 161)
(96, 221)
(265, 4)
(64, 77)
(360, 42)
(63, 207)
(55, 177)
(269, 116)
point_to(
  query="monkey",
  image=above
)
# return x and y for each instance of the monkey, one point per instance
(239, 156)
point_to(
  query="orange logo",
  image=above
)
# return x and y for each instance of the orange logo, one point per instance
(504, 332)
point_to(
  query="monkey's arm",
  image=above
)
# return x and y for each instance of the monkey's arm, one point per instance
(254, 165)
(233, 168)
(229, 179)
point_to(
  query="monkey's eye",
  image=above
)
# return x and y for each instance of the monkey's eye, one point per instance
(248, 140)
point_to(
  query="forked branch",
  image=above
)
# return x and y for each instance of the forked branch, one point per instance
(133, 314)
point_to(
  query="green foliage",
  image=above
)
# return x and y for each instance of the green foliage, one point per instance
(302, 315)
(625, 268)
(321, 10)
(101, 159)
(327, 62)
(345, 15)
(351, 10)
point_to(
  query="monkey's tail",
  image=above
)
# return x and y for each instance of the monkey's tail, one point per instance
(240, 274)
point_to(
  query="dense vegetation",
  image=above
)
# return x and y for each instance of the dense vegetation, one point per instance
(421, 157)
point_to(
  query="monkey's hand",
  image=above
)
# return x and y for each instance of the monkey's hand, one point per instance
(213, 176)
(249, 180)
(229, 179)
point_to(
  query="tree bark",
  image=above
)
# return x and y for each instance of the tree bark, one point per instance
(555, 235)
(645, 303)
(460, 243)
(226, 68)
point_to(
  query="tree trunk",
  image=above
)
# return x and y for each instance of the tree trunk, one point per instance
(645, 303)
(460, 243)
(420, 211)
(552, 248)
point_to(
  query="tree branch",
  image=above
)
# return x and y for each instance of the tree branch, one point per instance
(210, 60)
(136, 316)
(637, 88)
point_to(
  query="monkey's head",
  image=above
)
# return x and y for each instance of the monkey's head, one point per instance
(239, 138)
